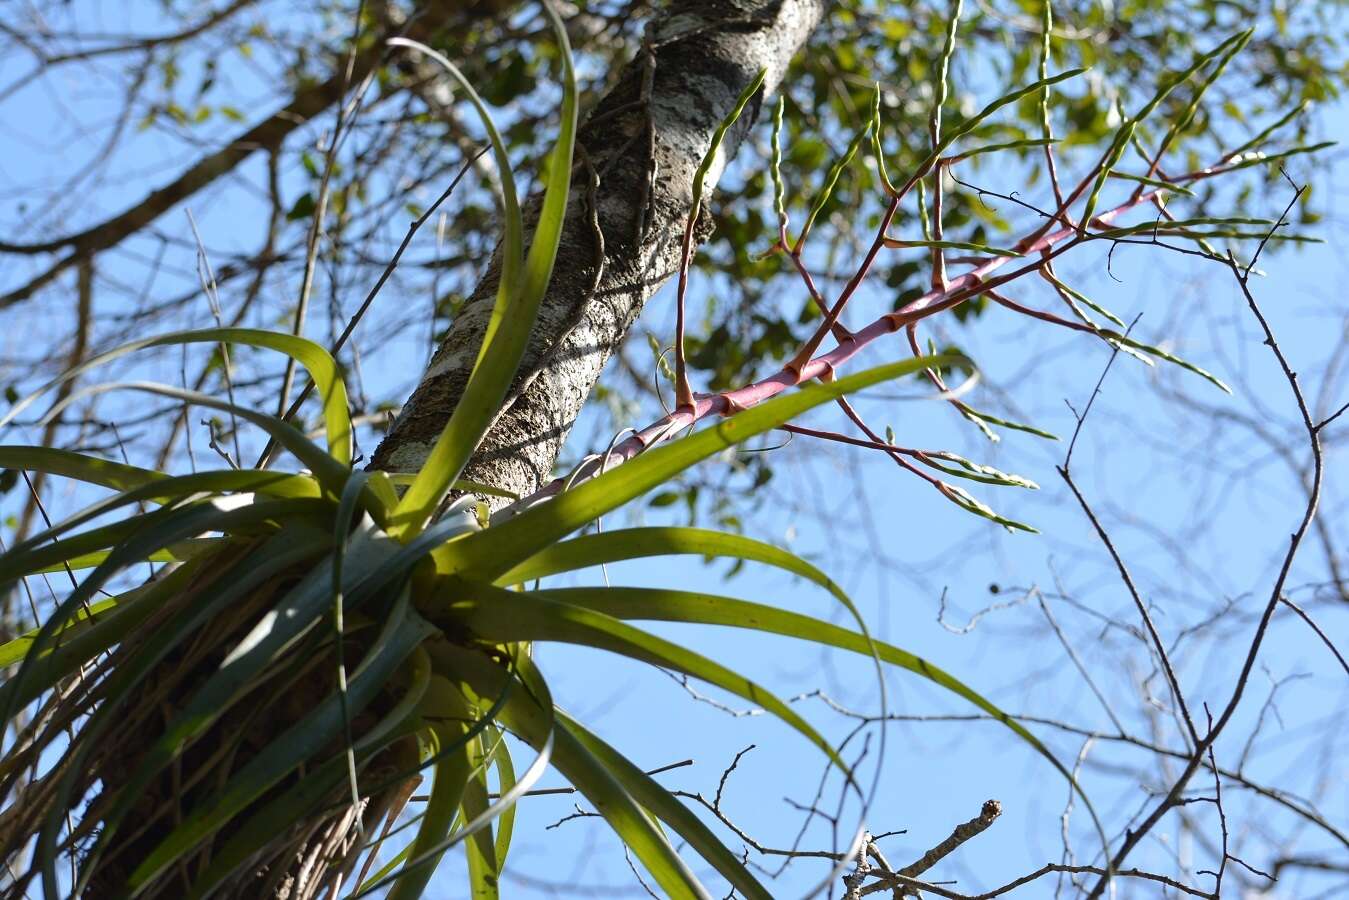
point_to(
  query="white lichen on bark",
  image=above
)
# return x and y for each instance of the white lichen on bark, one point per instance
(706, 52)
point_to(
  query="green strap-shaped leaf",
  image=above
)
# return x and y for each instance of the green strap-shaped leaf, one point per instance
(638, 543)
(513, 239)
(453, 769)
(330, 471)
(488, 678)
(54, 556)
(99, 613)
(313, 794)
(176, 526)
(290, 617)
(33, 553)
(24, 686)
(530, 714)
(709, 609)
(369, 577)
(668, 808)
(319, 363)
(243, 576)
(69, 464)
(517, 306)
(552, 215)
(347, 507)
(84, 550)
(405, 479)
(505, 781)
(85, 635)
(484, 869)
(179, 552)
(486, 554)
(508, 616)
(403, 630)
(659, 604)
(447, 791)
(627, 818)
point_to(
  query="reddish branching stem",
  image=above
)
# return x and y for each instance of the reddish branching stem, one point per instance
(1042, 245)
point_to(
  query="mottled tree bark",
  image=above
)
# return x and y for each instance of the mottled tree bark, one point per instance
(704, 53)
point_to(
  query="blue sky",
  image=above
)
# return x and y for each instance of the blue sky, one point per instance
(1199, 509)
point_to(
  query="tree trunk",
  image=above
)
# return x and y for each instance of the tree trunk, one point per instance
(644, 142)
(644, 146)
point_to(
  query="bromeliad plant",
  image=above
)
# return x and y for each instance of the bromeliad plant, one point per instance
(245, 722)
(242, 723)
